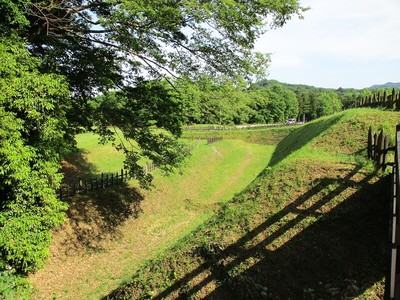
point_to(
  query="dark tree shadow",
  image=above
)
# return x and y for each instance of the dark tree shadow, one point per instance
(94, 216)
(340, 255)
(76, 166)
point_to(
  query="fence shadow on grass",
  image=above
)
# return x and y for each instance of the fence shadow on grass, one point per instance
(341, 254)
(338, 257)
(94, 216)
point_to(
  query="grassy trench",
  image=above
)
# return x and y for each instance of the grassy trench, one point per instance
(313, 225)
(110, 234)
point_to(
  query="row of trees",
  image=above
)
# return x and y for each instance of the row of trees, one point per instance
(226, 101)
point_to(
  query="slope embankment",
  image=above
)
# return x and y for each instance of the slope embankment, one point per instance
(110, 233)
(313, 225)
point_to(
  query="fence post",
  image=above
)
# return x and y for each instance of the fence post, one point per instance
(385, 150)
(393, 98)
(370, 138)
(397, 101)
(374, 146)
(379, 158)
(393, 282)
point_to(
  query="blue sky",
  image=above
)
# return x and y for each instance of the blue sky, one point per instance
(339, 43)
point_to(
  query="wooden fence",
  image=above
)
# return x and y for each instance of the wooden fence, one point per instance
(389, 101)
(209, 139)
(102, 181)
(378, 148)
(214, 139)
(233, 127)
(393, 277)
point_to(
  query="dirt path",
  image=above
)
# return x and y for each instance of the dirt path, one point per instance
(100, 245)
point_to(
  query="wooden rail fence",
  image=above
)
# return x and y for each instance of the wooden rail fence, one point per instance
(232, 127)
(209, 139)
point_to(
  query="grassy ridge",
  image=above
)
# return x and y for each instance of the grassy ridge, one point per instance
(313, 225)
(110, 233)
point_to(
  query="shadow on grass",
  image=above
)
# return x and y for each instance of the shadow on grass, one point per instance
(95, 216)
(76, 166)
(340, 255)
(300, 137)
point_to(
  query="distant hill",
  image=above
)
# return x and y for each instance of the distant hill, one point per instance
(386, 85)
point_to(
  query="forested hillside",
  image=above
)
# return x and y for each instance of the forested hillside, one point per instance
(386, 85)
(224, 101)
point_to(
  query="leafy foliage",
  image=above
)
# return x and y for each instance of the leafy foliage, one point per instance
(75, 50)
(32, 138)
(150, 115)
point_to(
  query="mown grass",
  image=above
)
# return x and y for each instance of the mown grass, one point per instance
(313, 225)
(110, 233)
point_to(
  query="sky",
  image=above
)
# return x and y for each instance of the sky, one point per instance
(339, 43)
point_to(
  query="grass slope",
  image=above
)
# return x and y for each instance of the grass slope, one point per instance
(313, 226)
(267, 136)
(109, 234)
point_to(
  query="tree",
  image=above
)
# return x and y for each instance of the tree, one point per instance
(102, 45)
(33, 135)
(75, 50)
(216, 101)
(139, 112)
(328, 103)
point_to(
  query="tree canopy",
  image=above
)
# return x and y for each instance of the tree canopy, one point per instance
(58, 56)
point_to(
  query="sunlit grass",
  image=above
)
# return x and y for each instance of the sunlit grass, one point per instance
(175, 207)
(300, 230)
